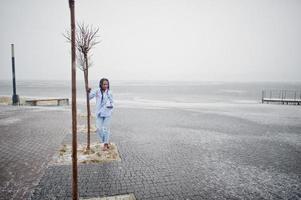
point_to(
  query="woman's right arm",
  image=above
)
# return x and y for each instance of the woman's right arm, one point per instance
(92, 94)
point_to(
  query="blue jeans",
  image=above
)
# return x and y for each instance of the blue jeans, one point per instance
(103, 128)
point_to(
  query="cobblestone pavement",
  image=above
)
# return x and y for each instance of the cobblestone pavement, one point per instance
(29, 137)
(176, 154)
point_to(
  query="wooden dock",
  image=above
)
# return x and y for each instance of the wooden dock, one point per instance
(281, 96)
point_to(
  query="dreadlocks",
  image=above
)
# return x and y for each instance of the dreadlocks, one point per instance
(101, 83)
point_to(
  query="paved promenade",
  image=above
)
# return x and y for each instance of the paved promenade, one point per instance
(29, 138)
(166, 154)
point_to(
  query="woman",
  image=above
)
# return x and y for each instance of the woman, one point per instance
(104, 108)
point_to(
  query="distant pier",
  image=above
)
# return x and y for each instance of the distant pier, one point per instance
(281, 96)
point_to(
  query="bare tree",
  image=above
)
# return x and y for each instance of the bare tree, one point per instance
(86, 39)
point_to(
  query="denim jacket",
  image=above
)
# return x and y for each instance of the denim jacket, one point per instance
(102, 109)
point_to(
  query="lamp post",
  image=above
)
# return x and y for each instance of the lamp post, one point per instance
(15, 96)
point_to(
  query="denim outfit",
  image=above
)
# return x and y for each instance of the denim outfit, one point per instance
(103, 113)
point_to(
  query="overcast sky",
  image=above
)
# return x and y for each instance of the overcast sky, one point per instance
(192, 40)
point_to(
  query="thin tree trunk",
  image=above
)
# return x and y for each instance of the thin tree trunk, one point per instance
(74, 120)
(86, 76)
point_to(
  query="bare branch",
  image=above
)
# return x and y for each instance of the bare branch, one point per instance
(80, 61)
(67, 35)
(86, 38)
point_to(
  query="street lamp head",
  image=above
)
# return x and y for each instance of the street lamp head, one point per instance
(12, 50)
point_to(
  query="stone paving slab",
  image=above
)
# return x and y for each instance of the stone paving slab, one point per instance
(117, 197)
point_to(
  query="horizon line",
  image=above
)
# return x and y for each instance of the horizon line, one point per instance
(140, 80)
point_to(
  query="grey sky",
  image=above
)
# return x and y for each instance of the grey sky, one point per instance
(233, 40)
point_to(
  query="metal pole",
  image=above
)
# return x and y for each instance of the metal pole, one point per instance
(15, 96)
(75, 194)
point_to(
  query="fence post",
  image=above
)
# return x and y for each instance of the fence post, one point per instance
(295, 95)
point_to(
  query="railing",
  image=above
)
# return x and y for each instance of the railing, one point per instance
(281, 96)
